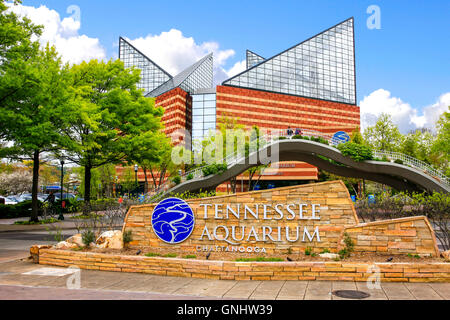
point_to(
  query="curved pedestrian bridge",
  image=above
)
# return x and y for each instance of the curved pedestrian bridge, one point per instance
(402, 177)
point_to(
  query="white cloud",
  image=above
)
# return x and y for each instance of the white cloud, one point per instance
(174, 52)
(63, 34)
(237, 68)
(432, 113)
(406, 117)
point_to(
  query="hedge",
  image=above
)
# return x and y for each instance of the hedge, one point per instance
(356, 151)
(22, 209)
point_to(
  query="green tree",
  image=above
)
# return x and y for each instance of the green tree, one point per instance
(357, 136)
(384, 135)
(158, 163)
(441, 145)
(110, 118)
(32, 116)
(127, 180)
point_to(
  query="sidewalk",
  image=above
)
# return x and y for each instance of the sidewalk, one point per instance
(64, 225)
(16, 282)
(7, 225)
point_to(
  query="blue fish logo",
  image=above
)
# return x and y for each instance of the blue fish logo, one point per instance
(341, 137)
(173, 220)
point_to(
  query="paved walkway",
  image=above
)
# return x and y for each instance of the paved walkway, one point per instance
(22, 279)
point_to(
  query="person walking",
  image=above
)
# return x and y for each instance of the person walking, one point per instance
(51, 201)
(289, 131)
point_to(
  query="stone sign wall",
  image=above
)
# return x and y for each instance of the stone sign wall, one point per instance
(289, 219)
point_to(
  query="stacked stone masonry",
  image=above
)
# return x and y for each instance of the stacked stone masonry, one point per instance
(230, 270)
(337, 218)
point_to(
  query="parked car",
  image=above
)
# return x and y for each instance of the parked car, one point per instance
(14, 199)
(67, 196)
(28, 197)
(7, 201)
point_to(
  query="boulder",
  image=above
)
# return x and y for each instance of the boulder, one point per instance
(76, 239)
(329, 255)
(446, 255)
(34, 251)
(64, 245)
(111, 240)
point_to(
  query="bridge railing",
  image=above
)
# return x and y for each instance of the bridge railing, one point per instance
(270, 138)
(415, 163)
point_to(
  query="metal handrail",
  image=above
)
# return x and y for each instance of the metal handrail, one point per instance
(415, 163)
(234, 158)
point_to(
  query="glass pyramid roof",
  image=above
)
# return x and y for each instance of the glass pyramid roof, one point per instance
(152, 75)
(197, 76)
(322, 67)
(253, 59)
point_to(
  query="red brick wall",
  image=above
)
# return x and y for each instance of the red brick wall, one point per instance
(279, 111)
(177, 105)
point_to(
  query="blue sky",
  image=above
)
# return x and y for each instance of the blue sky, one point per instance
(408, 58)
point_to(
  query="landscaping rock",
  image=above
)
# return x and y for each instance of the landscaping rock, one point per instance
(329, 255)
(76, 239)
(64, 245)
(110, 239)
(446, 255)
(34, 251)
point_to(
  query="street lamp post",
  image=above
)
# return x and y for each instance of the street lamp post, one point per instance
(135, 176)
(61, 216)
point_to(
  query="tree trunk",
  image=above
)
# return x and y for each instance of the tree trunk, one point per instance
(87, 188)
(34, 190)
(146, 180)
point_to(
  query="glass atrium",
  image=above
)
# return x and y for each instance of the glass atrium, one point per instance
(203, 114)
(322, 67)
(152, 75)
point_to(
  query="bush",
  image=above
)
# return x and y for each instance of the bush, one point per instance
(214, 169)
(72, 205)
(201, 194)
(436, 207)
(152, 254)
(190, 176)
(398, 161)
(300, 137)
(176, 180)
(22, 209)
(88, 237)
(356, 151)
(45, 221)
(282, 138)
(127, 237)
(349, 247)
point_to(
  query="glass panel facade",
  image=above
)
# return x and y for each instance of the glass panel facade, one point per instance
(152, 76)
(198, 76)
(322, 67)
(203, 115)
(253, 59)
